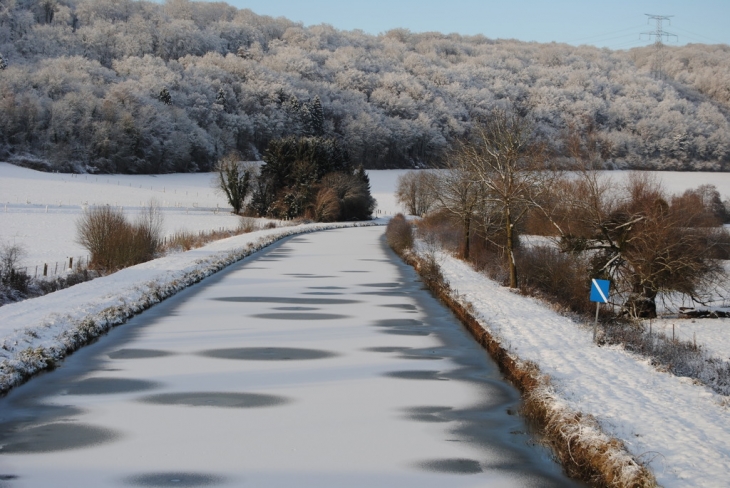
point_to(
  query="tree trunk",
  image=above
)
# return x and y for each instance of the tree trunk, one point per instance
(467, 232)
(641, 302)
(510, 248)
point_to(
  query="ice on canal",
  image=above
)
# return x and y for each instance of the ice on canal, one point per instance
(321, 362)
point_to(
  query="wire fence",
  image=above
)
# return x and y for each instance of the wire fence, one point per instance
(55, 268)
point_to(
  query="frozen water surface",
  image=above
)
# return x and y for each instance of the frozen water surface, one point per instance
(247, 379)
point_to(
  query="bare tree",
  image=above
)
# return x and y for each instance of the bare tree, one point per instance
(234, 179)
(643, 242)
(456, 192)
(413, 192)
(507, 163)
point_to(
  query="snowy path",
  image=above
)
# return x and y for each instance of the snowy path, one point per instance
(321, 362)
(681, 428)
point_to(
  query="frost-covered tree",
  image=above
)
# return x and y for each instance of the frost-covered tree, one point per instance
(399, 99)
(3, 63)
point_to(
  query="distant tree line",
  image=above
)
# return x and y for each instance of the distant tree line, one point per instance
(143, 87)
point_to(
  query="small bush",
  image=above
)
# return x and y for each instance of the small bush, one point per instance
(115, 243)
(248, 224)
(11, 277)
(442, 228)
(561, 277)
(399, 234)
(183, 240)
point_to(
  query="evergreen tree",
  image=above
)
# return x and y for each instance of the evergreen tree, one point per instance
(293, 168)
(165, 97)
(305, 115)
(317, 114)
(220, 98)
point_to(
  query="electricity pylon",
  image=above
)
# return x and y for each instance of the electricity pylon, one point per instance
(657, 67)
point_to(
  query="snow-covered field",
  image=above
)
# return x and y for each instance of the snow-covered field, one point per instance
(38, 210)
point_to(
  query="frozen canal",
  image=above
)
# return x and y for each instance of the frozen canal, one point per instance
(319, 362)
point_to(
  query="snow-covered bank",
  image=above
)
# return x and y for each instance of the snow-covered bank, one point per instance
(679, 429)
(36, 333)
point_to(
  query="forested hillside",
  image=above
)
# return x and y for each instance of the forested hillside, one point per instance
(136, 86)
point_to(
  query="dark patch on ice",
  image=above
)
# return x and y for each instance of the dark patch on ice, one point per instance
(406, 332)
(398, 323)
(327, 288)
(321, 293)
(416, 375)
(383, 285)
(453, 466)
(386, 349)
(304, 309)
(428, 414)
(307, 275)
(55, 437)
(290, 300)
(216, 399)
(8, 477)
(138, 353)
(403, 306)
(428, 354)
(109, 386)
(300, 316)
(175, 479)
(355, 271)
(394, 293)
(268, 353)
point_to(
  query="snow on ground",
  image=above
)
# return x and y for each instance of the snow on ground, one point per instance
(382, 187)
(713, 335)
(676, 182)
(38, 210)
(681, 429)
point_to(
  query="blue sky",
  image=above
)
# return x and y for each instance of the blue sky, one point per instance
(616, 24)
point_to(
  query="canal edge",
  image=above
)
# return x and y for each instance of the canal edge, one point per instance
(26, 363)
(585, 452)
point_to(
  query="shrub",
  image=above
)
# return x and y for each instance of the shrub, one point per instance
(560, 276)
(399, 234)
(234, 179)
(326, 207)
(115, 243)
(13, 282)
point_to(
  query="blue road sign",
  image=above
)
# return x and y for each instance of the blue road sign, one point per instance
(599, 290)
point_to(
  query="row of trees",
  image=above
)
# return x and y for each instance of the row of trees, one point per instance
(306, 177)
(138, 86)
(498, 184)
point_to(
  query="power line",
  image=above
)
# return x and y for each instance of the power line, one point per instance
(601, 35)
(659, 34)
(700, 35)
